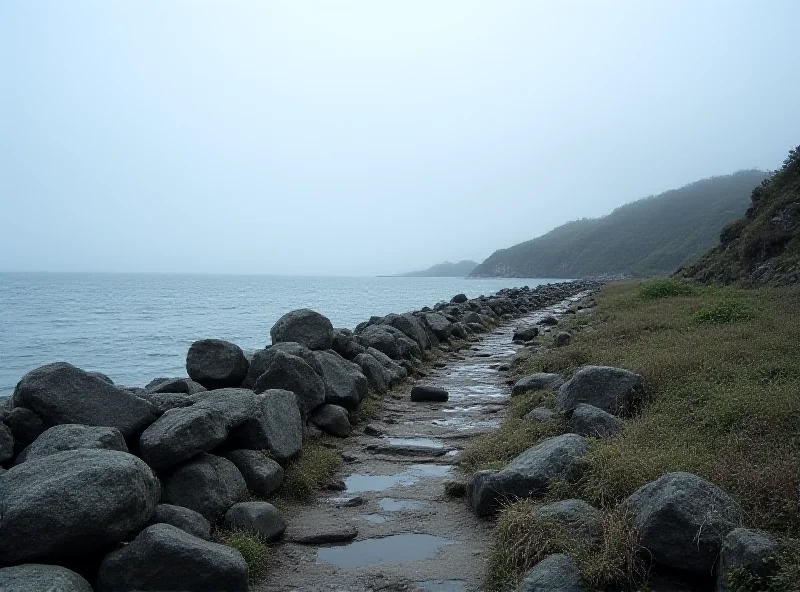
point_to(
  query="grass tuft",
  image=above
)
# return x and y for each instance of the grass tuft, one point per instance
(727, 309)
(665, 288)
(311, 469)
(252, 547)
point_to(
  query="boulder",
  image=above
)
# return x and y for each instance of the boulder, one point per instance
(422, 392)
(581, 520)
(682, 520)
(187, 386)
(554, 573)
(540, 415)
(102, 376)
(472, 318)
(411, 327)
(407, 348)
(525, 333)
(527, 475)
(73, 503)
(539, 381)
(292, 373)
(395, 371)
(187, 520)
(376, 375)
(346, 345)
(345, 385)
(611, 389)
(588, 420)
(438, 324)
(751, 550)
(25, 426)
(459, 299)
(332, 420)
(261, 518)
(61, 393)
(275, 426)
(34, 577)
(262, 360)
(460, 331)
(207, 484)
(163, 402)
(304, 326)
(549, 320)
(215, 363)
(562, 339)
(6, 443)
(380, 338)
(163, 557)
(262, 475)
(73, 437)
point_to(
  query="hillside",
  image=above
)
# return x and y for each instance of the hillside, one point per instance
(651, 236)
(763, 248)
(446, 269)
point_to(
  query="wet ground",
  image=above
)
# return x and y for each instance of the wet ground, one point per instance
(411, 536)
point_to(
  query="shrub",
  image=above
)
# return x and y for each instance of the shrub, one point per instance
(665, 288)
(252, 547)
(727, 309)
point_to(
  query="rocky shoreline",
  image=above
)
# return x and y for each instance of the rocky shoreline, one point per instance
(107, 487)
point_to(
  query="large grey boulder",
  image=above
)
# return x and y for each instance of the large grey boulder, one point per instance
(187, 520)
(426, 392)
(581, 519)
(379, 337)
(411, 326)
(588, 420)
(345, 385)
(61, 393)
(407, 348)
(332, 419)
(6, 443)
(73, 503)
(163, 402)
(745, 549)
(611, 389)
(554, 573)
(395, 371)
(304, 326)
(682, 520)
(540, 415)
(438, 324)
(377, 376)
(25, 426)
(539, 381)
(261, 518)
(34, 577)
(346, 345)
(262, 475)
(73, 437)
(527, 475)
(262, 360)
(215, 363)
(526, 333)
(292, 373)
(207, 484)
(275, 426)
(186, 386)
(164, 557)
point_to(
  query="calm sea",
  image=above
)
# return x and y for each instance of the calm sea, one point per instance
(136, 327)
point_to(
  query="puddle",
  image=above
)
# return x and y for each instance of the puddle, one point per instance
(373, 518)
(442, 586)
(398, 548)
(468, 409)
(390, 504)
(465, 423)
(419, 442)
(453, 453)
(358, 483)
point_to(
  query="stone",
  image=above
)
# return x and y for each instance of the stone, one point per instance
(395, 371)
(613, 390)
(275, 426)
(525, 333)
(588, 420)
(207, 484)
(540, 381)
(73, 437)
(459, 299)
(163, 557)
(682, 520)
(554, 573)
(34, 577)
(581, 519)
(335, 531)
(455, 488)
(216, 364)
(411, 327)
(262, 475)
(304, 326)
(332, 420)
(346, 345)
(6, 443)
(540, 415)
(527, 475)
(421, 392)
(549, 320)
(438, 324)
(61, 393)
(375, 373)
(292, 373)
(163, 402)
(103, 377)
(261, 518)
(73, 503)
(380, 338)
(187, 520)
(25, 426)
(262, 360)
(186, 386)
(746, 549)
(345, 385)
(562, 339)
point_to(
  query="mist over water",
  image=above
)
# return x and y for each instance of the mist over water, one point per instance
(137, 327)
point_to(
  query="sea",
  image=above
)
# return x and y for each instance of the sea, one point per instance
(135, 327)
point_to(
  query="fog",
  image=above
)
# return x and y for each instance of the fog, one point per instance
(366, 137)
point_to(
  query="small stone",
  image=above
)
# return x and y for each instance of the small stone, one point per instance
(371, 430)
(261, 518)
(322, 534)
(346, 502)
(429, 393)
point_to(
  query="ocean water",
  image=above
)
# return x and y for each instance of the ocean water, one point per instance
(136, 327)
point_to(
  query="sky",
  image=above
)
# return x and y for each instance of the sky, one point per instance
(366, 137)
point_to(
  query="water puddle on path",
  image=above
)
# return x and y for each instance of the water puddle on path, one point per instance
(389, 504)
(374, 518)
(416, 442)
(391, 549)
(442, 586)
(358, 483)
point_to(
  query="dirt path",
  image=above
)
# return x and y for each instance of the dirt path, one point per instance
(410, 535)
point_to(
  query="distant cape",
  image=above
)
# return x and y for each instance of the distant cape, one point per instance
(446, 269)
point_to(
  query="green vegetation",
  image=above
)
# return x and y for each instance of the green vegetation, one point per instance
(446, 269)
(252, 547)
(652, 236)
(316, 464)
(721, 369)
(763, 248)
(665, 288)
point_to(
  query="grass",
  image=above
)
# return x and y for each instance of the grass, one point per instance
(311, 469)
(665, 288)
(252, 547)
(721, 369)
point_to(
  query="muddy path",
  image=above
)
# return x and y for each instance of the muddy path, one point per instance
(410, 535)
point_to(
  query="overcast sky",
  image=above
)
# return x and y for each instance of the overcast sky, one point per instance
(366, 137)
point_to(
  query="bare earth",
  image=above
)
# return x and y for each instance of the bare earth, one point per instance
(411, 536)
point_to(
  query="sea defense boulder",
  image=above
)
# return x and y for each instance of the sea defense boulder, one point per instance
(554, 573)
(216, 364)
(332, 419)
(537, 382)
(187, 520)
(262, 475)
(275, 426)
(304, 326)
(34, 577)
(378, 378)
(260, 518)
(73, 437)
(588, 420)
(613, 390)
(207, 484)
(292, 373)
(345, 385)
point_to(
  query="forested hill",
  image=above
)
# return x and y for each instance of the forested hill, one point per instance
(763, 247)
(655, 235)
(446, 269)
